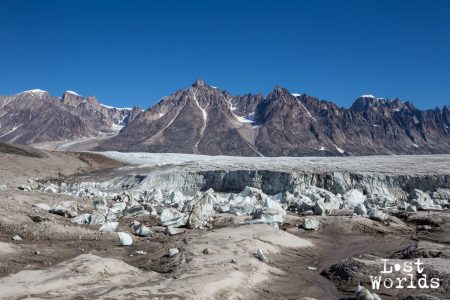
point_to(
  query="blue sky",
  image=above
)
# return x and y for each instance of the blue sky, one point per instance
(134, 52)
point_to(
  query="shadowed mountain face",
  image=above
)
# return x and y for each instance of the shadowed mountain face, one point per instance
(35, 116)
(205, 120)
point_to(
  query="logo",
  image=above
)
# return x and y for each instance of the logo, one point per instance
(408, 275)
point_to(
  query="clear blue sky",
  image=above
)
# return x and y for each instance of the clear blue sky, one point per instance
(134, 52)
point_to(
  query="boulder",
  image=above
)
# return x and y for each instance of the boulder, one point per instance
(320, 201)
(66, 209)
(173, 252)
(361, 293)
(125, 239)
(3, 187)
(82, 219)
(100, 203)
(152, 210)
(277, 197)
(410, 208)
(25, 187)
(422, 201)
(304, 203)
(43, 206)
(98, 217)
(176, 198)
(260, 255)
(441, 194)
(110, 216)
(16, 238)
(201, 212)
(310, 223)
(360, 210)
(225, 208)
(377, 215)
(324, 207)
(385, 200)
(118, 207)
(51, 189)
(157, 196)
(170, 230)
(244, 206)
(134, 211)
(272, 212)
(353, 197)
(38, 218)
(109, 227)
(172, 217)
(253, 192)
(141, 230)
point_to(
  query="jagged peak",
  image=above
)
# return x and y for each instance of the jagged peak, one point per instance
(199, 83)
(279, 90)
(365, 102)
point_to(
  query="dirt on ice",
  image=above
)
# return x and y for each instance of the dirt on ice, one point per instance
(55, 258)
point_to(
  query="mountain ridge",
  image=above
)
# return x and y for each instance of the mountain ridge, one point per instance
(203, 119)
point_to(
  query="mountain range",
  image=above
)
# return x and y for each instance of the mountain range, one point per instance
(203, 119)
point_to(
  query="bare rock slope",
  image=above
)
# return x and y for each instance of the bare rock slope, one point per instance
(35, 116)
(203, 119)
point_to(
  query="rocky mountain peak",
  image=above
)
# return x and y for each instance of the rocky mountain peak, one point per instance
(72, 99)
(368, 102)
(199, 83)
(280, 93)
(35, 93)
(363, 103)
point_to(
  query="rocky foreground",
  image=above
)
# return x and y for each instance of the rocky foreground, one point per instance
(173, 226)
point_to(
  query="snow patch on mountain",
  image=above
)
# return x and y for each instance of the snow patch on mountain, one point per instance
(116, 127)
(35, 91)
(204, 114)
(15, 138)
(73, 93)
(11, 131)
(307, 111)
(339, 149)
(118, 108)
